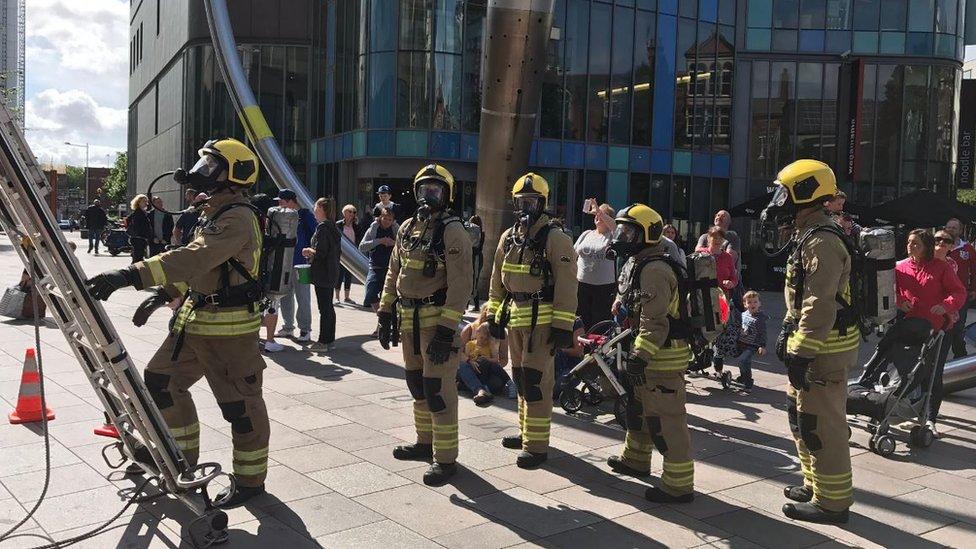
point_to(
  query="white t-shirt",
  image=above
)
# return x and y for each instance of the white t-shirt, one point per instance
(592, 266)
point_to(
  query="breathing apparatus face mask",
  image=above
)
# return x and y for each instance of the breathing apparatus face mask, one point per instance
(204, 175)
(628, 239)
(777, 221)
(528, 208)
(431, 196)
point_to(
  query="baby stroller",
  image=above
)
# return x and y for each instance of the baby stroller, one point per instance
(595, 379)
(897, 385)
(116, 239)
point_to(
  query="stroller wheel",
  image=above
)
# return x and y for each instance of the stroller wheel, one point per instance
(592, 394)
(620, 412)
(872, 428)
(921, 437)
(884, 445)
(726, 379)
(571, 400)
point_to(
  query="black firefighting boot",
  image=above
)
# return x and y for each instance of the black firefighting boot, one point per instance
(142, 455)
(530, 460)
(657, 495)
(618, 465)
(241, 495)
(439, 473)
(808, 512)
(512, 442)
(801, 494)
(414, 452)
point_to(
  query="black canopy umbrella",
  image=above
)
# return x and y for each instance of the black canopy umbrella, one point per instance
(922, 209)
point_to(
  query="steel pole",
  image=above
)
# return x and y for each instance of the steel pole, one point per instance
(265, 144)
(516, 37)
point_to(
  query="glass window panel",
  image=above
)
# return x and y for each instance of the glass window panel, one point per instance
(893, 42)
(894, 15)
(680, 204)
(647, 4)
(449, 17)
(809, 93)
(812, 14)
(828, 138)
(758, 39)
(684, 96)
(447, 92)
(660, 197)
(726, 12)
(782, 108)
(551, 109)
(724, 67)
(474, 29)
(595, 185)
(921, 15)
(811, 40)
(866, 13)
(640, 189)
(644, 49)
(838, 41)
(784, 40)
(760, 13)
(416, 24)
(272, 88)
(943, 97)
(620, 92)
(382, 19)
(706, 78)
(785, 14)
(946, 15)
(868, 110)
(865, 42)
(760, 160)
(701, 193)
(838, 14)
(577, 45)
(600, 34)
(382, 86)
(688, 8)
(945, 45)
(888, 131)
(413, 90)
(919, 43)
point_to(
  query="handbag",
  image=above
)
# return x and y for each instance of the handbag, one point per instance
(727, 343)
(12, 302)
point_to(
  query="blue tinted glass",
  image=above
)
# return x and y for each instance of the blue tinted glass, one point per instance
(720, 165)
(382, 86)
(681, 162)
(866, 14)
(548, 154)
(449, 15)
(921, 15)
(411, 143)
(687, 8)
(620, 94)
(618, 158)
(573, 155)
(726, 12)
(469, 147)
(708, 10)
(576, 37)
(945, 45)
(894, 15)
(893, 42)
(784, 40)
(661, 161)
(811, 40)
(758, 39)
(617, 189)
(760, 13)
(838, 15)
(946, 15)
(359, 144)
(664, 71)
(382, 21)
(647, 4)
(668, 6)
(444, 145)
(812, 14)
(447, 92)
(644, 51)
(785, 14)
(380, 143)
(919, 43)
(865, 42)
(600, 34)
(640, 159)
(701, 164)
(596, 157)
(838, 41)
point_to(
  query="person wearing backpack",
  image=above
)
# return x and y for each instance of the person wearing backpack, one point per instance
(649, 289)
(215, 332)
(533, 293)
(819, 341)
(428, 285)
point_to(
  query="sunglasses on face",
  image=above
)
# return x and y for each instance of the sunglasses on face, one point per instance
(943, 240)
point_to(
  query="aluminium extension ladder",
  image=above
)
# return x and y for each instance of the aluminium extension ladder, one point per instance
(143, 436)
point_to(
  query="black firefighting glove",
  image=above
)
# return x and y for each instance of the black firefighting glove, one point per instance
(797, 368)
(384, 328)
(560, 339)
(495, 330)
(634, 367)
(159, 298)
(104, 285)
(440, 348)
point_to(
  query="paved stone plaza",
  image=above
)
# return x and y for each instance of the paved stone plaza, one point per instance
(333, 482)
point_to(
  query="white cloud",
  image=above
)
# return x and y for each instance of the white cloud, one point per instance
(77, 79)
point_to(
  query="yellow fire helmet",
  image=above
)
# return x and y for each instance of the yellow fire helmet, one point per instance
(435, 172)
(807, 181)
(644, 217)
(238, 159)
(532, 183)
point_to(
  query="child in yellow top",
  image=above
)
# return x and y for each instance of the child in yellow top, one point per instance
(480, 371)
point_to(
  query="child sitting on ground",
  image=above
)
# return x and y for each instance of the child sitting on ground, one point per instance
(480, 371)
(752, 340)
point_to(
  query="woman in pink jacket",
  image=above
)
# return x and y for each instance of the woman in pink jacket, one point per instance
(928, 288)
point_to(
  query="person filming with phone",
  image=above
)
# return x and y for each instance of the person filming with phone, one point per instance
(596, 274)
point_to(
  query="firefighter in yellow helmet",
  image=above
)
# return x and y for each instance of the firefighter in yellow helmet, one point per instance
(426, 291)
(819, 341)
(533, 294)
(648, 288)
(215, 332)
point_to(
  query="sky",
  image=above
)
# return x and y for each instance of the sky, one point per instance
(77, 79)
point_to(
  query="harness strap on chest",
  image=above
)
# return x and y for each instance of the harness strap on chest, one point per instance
(540, 264)
(847, 315)
(436, 299)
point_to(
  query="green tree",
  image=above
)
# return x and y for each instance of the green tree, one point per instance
(76, 177)
(967, 195)
(115, 184)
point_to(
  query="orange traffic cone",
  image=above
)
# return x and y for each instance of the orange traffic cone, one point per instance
(29, 408)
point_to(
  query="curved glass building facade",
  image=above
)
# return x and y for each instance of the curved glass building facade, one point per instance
(689, 105)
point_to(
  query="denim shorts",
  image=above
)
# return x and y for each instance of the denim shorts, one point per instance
(374, 286)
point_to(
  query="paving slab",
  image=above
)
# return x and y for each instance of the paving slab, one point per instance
(324, 514)
(358, 479)
(381, 535)
(533, 513)
(423, 511)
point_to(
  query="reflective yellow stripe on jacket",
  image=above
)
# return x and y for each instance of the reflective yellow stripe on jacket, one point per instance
(520, 316)
(517, 268)
(429, 317)
(835, 343)
(671, 359)
(217, 324)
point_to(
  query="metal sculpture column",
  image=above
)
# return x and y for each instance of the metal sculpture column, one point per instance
(516, 36)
